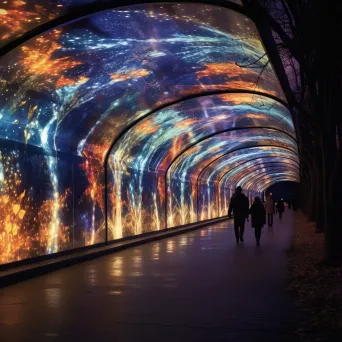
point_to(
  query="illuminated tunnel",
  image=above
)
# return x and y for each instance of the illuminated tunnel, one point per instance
(117, 121)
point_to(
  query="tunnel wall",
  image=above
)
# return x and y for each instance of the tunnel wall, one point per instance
(48, 202)
(35, 185)
(137, 201)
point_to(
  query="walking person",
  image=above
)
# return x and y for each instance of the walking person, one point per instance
(281, 208)
(239, 205)
(258, 213)
(269, 207)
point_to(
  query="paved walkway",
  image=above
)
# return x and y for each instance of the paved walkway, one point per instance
(198, 286)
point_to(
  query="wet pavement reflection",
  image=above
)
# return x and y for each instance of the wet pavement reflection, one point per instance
(198, 286)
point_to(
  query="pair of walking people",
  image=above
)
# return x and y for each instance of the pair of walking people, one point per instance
(239, 205)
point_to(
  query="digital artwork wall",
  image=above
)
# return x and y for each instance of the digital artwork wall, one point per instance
(131, 120)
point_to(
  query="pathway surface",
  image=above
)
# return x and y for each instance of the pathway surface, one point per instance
(198, 286)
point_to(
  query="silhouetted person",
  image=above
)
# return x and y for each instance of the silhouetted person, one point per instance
(239, 205)
(269, 207)
(289, 204)
(281, 208)
(258, 214)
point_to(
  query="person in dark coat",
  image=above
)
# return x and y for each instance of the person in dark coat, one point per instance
(258, 213)
(269, 207)
(239, 205)
(280, 208)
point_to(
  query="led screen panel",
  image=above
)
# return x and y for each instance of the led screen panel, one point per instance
(264, 177)
(89, 202)
(208, 201)
(248, 172)
(19, 17)
(250, 182)
(161, 136)
(182, 207)
(243, 169)
(223, 165)
(194, 163)
(47, 204)
(76, 88)
(136, 202)
(201, 157)
(228, 182)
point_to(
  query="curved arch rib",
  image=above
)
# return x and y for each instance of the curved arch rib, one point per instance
(248, 161)
(268, 171)
(85, 10)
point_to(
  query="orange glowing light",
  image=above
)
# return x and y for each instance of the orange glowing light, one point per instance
(147, 127)
(239, 98)
(230, 70)
(64, 81)
(45, 220)
(234, 85)
(161, 188)
(176, 148)
(95, 151)
(16, 238)
(23, 232)
(15, 19)
(38, 61)
(257, 116)
(185, 123)
(95, 190)
(128, 75)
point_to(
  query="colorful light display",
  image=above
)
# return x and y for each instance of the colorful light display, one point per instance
(20, 16)
(137, 85)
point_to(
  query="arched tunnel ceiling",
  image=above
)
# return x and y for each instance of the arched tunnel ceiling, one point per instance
(221, 167)
(243, 173)
(76, 88)
(228, 120)
(251, 182)
(19, 17)
(184, 90)
(243, 168)
(193, 161)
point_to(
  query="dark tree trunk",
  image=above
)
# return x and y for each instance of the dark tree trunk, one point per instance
(319, 198)
(332, 164)
(311, 196)
(333, 234)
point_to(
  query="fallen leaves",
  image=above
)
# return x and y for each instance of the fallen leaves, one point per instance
(317, 289)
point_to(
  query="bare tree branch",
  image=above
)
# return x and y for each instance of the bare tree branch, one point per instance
(252, 63)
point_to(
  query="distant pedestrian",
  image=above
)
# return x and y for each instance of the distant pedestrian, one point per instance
(269, 207)
(239, 205)
(258, 215)
(281, 208)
